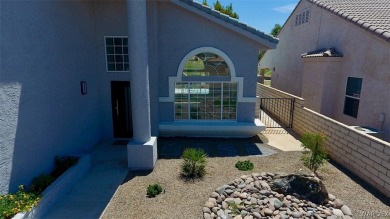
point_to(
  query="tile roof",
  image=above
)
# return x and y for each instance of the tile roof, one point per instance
(371, 15)
(231, 21)
(331, 52)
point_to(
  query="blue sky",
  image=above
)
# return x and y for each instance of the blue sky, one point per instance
(261, 14)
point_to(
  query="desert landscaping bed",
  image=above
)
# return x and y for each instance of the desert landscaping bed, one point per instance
(186, 199)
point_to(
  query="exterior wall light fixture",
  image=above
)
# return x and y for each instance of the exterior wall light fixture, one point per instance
(83, 86)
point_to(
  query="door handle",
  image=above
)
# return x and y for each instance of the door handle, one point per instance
(117, 108)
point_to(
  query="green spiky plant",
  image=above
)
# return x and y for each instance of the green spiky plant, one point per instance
(314, 154)
(234, 208)
(194, 164)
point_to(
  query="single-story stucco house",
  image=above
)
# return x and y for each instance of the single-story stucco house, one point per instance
(73, 73)
(336, 55)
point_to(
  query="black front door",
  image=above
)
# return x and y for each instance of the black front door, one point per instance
(121, 109)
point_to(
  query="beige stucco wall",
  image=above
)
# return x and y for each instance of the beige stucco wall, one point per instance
(320, 83)
(365, 55)
(293, 41)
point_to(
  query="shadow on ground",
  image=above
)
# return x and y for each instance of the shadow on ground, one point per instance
(172, 148)
(362, 183)
(135, 173)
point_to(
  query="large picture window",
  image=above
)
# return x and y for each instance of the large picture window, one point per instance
(352, 96)
(205, 101)
(206, 92)
(117, 55)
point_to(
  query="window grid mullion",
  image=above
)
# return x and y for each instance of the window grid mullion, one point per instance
(188, 100)
(222, 100)
(205, 105)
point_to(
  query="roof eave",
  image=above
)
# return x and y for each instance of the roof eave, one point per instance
(309, 57)
(238, 27)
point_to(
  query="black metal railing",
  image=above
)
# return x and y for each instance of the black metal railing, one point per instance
(277, 112)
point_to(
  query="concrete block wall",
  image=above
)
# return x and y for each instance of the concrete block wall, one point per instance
(364, 155)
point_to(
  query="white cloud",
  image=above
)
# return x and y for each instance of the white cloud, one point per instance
(285, 8)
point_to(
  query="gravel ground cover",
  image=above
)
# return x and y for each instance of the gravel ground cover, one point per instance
(185, 199)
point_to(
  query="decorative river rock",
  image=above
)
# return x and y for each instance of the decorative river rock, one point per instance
(276, 196)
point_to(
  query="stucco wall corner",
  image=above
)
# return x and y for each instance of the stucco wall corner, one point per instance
(9, 99)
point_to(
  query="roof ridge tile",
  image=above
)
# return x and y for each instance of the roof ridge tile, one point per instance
(369, 15)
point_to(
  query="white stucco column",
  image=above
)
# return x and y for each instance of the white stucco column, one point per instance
(138, 61)
(142, 151)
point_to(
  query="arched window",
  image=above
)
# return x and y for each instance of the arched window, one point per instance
(206, 91)
(206, 64)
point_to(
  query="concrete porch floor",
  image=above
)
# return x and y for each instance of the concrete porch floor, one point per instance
(282, 139)
(90, 196)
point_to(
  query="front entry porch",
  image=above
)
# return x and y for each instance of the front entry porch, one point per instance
(211, 129)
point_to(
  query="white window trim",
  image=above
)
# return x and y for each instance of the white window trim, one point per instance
(233, 79)
(105, 51)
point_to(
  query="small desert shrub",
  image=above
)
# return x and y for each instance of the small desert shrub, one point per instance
(21, 201)
(24, 201)
(314, 154)
(62, 164)
(194, 164)
(41, 182)
(234, 208)
(244, 165)
(154, 190)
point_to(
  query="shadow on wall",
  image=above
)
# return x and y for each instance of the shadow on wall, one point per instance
(51, 117)
(48, 124)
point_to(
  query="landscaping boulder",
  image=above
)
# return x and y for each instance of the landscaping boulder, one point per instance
(301, 185)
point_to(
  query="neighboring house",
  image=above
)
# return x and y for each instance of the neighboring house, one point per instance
(336, 55)
(73, 73)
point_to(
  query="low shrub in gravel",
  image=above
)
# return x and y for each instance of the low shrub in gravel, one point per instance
(314, 154)
(244, 165)
(194, 164)
(234, 208)
(154, 190)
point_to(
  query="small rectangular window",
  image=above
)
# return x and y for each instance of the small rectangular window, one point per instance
(117, 56)
(352, 96)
